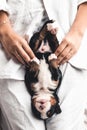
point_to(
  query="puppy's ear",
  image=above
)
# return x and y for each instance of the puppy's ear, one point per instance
(57, 109)
(36, 113)
(57, 106)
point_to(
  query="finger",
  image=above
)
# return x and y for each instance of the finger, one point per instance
(64, 61)
(67, 57)
(63, 54)
(26, 37)
(60, 48)
(17, 57)
(23, 54)
(11, 54)
(28, 50)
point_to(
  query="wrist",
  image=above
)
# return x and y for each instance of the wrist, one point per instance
(74, 36)
(78, 28)
(4, 27)
(4, 21)
(77, 32)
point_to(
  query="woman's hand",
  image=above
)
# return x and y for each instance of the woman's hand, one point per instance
(68, 47)
(14, 45)
(71, 43)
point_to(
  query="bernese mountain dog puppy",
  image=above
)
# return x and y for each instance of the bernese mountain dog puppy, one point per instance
(43, 77)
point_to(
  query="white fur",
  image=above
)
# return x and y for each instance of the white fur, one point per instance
(44, 77)
(36, 60)
(53, 25)
(41, 88)
(52, 56)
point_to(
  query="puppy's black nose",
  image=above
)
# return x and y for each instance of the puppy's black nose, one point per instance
(42, 102)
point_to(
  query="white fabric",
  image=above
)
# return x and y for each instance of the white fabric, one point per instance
(16, 107)
(64, 13)
(15, 104)
(73, 99)
(27, 16)
(4, 6)
(14, 98)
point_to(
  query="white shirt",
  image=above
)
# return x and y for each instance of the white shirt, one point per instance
(21, 14)
(26, 16)
(64, 12)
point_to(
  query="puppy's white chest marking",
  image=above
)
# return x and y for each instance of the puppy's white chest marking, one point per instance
(44, 78)
(44, 75)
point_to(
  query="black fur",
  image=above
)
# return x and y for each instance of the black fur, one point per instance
(31, 75)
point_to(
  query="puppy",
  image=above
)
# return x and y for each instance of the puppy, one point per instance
(43, 77)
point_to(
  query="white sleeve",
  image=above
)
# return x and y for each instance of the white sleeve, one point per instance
(81, 1)
(4, 6)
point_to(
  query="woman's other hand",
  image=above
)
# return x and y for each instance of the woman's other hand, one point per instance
(14, 45)
(72, 41)
(68, 47)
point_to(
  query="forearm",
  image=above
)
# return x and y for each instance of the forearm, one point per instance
(5, 24)
(80, 23)
(14, 45)
(72, 41)
(3, 17)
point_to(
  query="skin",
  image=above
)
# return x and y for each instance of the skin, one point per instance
(17, 47)
(72, 41)
(14, 45)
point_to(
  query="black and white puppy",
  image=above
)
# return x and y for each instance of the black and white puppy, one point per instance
(43, 78)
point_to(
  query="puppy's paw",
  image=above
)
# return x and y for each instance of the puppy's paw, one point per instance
(52, 56)
(35, 59)
(53, 60)
(52, 27)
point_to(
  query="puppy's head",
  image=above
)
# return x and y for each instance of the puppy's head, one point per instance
(45, 105)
